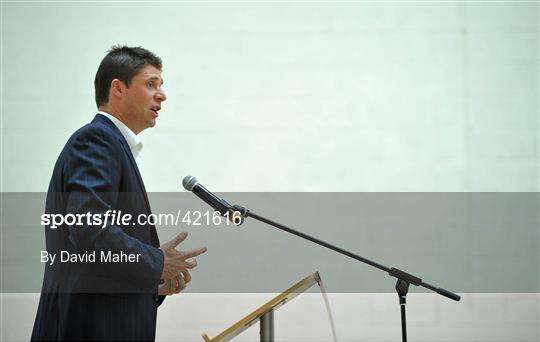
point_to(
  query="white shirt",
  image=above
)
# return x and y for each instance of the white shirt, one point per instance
(135, 144)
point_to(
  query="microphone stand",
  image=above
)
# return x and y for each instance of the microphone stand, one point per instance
(403, 279)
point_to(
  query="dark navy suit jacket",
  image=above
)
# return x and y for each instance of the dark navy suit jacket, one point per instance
(96, 173)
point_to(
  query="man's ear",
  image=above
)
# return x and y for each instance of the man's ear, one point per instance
(117, 88)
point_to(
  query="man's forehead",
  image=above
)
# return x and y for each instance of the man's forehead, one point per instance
(149, 72)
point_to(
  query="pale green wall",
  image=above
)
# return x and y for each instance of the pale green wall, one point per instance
(289, 96)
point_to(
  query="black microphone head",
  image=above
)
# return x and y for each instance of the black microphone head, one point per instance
(189, 182)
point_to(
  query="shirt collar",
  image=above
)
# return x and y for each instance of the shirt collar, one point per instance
(134, 142)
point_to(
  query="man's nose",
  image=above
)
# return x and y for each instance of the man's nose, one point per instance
(160, 96)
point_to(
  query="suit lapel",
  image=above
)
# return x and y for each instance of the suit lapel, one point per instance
(127, 150)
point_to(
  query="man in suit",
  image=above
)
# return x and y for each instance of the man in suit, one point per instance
(89, 298)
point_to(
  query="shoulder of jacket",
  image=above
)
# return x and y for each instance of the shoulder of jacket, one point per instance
(95, 130)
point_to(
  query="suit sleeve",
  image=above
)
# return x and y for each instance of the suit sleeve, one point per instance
(91, 183)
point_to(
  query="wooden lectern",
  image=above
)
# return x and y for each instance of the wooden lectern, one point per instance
(265, 313)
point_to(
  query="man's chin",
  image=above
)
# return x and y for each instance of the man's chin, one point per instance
(151, 123)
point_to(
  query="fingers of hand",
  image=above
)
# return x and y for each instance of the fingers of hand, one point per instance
(187, 276)
(189, 264)
(177, 240)
(171, 285)
(180, 284)
(177, 261)
(194, 252)
(174, 267)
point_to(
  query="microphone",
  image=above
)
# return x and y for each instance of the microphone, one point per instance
(191, 183)
(221, 206)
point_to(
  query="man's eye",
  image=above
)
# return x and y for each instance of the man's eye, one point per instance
(151, 84)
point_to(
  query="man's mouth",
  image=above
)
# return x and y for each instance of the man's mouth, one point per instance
(155, 110)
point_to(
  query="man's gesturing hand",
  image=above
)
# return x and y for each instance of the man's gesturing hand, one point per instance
(175, 261)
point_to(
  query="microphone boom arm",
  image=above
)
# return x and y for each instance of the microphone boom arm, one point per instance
(394, 272)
